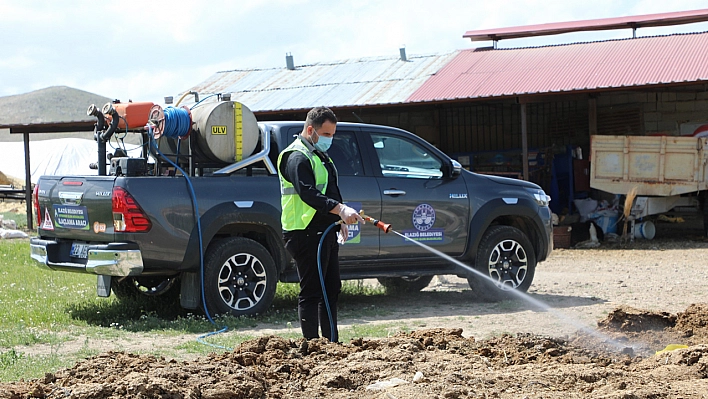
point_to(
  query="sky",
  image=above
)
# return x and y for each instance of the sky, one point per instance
(145, 50)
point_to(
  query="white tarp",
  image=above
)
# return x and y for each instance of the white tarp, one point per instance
(61, 157)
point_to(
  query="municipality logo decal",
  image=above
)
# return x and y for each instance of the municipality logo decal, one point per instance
(423, 217)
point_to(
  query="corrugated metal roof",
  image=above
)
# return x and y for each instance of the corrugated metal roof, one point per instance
(354, 82)
(51, 127)
(566, 68)
(635, 21)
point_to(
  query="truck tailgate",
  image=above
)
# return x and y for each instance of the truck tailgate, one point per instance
(656, 165)
(78, 207)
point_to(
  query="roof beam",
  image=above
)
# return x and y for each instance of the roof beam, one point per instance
(556, 28)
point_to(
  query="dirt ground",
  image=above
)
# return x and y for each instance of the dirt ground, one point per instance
(591, 329)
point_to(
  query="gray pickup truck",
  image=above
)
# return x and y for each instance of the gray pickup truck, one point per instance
(136, 228)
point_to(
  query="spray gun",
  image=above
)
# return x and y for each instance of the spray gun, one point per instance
(383, 226)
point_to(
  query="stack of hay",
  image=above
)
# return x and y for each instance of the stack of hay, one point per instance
(10, 181)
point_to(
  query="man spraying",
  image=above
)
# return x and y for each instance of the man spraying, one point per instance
(311, 202)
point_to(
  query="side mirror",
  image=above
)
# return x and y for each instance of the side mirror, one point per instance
(456, 169)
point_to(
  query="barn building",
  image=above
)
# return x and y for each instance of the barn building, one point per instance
(520, 112)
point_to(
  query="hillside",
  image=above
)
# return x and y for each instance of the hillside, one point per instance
(52, 104)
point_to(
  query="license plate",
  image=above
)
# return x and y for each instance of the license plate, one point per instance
(79, 251)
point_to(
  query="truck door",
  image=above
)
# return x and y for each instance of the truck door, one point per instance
(358, 186)
(417, 198)
(359, 189)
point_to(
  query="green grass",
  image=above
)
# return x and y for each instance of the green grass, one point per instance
(33, 298)
(37, 301)
(43, 307)
(20, 219)
(16, 365)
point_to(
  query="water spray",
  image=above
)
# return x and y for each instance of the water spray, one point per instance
(386, 227)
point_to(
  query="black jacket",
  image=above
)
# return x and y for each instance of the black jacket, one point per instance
(296, 168)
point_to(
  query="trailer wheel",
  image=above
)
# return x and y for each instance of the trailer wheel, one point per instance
(406, 284)
(239, 278)
(507, 260)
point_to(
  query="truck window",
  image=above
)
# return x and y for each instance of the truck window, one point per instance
(399, 157)
(345, 154)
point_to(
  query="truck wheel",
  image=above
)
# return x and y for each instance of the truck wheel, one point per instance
(157, 291)
(137, 287)
(240, 277)
(405, 284)
(507, 259)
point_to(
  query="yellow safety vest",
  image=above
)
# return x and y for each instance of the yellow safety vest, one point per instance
(296, 214)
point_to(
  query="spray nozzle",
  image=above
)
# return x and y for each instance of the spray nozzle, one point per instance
(383, 226)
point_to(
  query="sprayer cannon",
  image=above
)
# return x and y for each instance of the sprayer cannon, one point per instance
(386, 227)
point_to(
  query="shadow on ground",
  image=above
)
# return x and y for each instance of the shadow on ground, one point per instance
(141, 317)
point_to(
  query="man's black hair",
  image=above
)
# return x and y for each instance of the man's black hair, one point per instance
(319, 115)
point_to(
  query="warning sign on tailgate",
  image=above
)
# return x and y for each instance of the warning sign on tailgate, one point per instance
(71, 217)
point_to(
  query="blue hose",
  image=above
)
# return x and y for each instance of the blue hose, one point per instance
(193, 196)
(202, 100)
(177, 122)
(322, 283)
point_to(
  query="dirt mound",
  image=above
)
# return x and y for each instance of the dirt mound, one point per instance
(628, 319)
(437, 363)
(693, 321)
(653, 329)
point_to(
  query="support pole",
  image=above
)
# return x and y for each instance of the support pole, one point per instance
(524, 142)
(28, 181)
(592, 115)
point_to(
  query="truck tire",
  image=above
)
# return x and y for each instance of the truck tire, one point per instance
(136, 287)
(153, 291)
(407, 284)
(507, 259)
(239, 278)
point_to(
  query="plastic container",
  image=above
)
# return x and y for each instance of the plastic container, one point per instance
(608, 223)
(585, 207)
(645, 230)
(135, 113)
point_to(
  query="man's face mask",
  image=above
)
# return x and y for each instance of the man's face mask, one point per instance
(323, 143)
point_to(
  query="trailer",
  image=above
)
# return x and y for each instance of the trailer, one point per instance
(667, 171)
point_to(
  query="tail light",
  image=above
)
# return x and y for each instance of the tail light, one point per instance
(35, 198)
(128, 217)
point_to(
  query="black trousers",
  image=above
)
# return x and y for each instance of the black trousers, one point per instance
(302, 245)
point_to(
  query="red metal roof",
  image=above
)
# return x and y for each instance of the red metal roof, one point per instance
(477, 73)
(636, 21)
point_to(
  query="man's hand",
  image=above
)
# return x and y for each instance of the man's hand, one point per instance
(349, 215)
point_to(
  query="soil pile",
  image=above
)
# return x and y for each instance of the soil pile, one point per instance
(434, 363)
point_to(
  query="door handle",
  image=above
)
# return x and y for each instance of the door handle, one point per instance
(394, 192)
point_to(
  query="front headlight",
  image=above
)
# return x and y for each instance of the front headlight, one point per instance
(541, 198)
